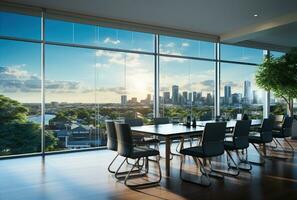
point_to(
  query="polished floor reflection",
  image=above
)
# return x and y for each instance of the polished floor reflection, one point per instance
(84, 176)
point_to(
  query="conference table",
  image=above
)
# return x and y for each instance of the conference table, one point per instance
(169, 131)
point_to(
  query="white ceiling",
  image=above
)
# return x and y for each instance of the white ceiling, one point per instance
(215, 17)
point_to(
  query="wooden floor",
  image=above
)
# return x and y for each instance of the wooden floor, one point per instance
(84, 176)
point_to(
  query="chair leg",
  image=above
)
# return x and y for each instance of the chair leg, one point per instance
(221, 173)
(261, 157)
(198, 182)
(291, 147)
(273, 147)
(243, 160)
(230, 166)
(119, 175)
(143, 184)
(109, 166)
(157, 147)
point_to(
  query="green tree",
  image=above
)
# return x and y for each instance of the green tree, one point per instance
(279, 75)
(17, 135)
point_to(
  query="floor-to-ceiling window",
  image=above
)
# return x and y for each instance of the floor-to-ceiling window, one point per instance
(94, 73)
(239, 93)
(20, 86)
(186, 79)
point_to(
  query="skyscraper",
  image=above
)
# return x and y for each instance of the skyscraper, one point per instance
(209, 99)
(247, 92)
(194, 97)
(227, 94)
(175, 94)
(123, 100)
(166, 96)
(190, 98)
(185, 97)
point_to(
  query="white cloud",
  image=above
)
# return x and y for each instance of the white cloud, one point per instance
(14, 79)
(170, 44)
(111, 41)
(185, 44)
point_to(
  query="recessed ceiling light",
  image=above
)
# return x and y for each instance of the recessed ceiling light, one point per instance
(256, 15)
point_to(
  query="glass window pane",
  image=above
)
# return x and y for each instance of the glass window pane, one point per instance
(276, 54)
(85, 87)
(71, 107)
(239, 92)
(125, 85)
(20, 98)
(68, 32)
(76, 33)
(186, 89)
(186, 47)
(241, 54)
(123, 39)
(21, 26)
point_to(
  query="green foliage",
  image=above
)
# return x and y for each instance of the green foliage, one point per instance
(279, 75)
(12, 111)
(278, 109)
(17, 135)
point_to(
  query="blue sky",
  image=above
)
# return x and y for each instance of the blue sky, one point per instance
(74, 74)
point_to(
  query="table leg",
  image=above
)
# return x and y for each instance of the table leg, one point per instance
(167, 155)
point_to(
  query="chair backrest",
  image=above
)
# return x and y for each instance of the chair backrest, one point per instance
(161, 120)
(112, 143)
(278, 121)
(124, 139)
(241, 133)
(287, 126)
(266, 130)
(213, 138)
(134, 122)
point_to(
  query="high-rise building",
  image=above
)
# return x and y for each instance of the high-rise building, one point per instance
(236, 98)
(247, 92)
(194, 97)
(166, 97)
(227, 94)
(123, 100)
(175, 96)
(209, 99)
(185, 97)
(190, 100)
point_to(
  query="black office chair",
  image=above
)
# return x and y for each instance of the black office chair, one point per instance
(284, 132)
(112, 143)
(127, 149)
(277, 121)
(238, 141)
(161, 120)
(139, 138)
(212, 145)
(262, 137)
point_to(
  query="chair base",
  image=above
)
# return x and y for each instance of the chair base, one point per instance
(185, 177)
(205, 173)
(226, 172)
(129, 175)
(261, 157)
(283, 149)
(120, 175)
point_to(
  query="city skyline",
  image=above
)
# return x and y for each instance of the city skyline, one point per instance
(71, 73)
